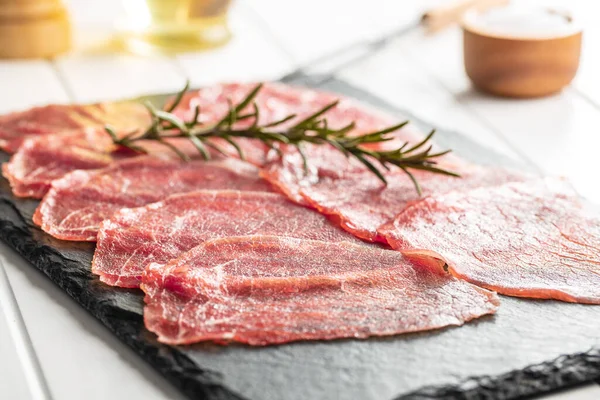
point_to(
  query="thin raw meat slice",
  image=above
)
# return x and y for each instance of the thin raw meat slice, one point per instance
(47, 157)
(276, 101)
(159, 232)
(289, 175)
(264, 290)
(40, 160)
(17, 126)
(527, 239)
(77, 203)
(362, 203)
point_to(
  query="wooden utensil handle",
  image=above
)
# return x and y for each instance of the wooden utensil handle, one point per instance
(445, 15)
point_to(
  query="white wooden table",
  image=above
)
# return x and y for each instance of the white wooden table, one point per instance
(51, 348)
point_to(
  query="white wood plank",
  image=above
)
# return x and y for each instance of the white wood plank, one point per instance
(310, 28)
(109, 77)
(14, 383)
(587, 80)
(80, 358)
(29, 83)
(93, 73)
(587, 392)
(251, 55)
(556, 133)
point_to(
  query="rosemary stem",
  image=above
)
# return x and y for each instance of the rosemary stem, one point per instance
(313, 129)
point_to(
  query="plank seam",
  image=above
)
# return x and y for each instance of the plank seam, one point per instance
(27, 355)
(180, 68)
(63, 80)
(265, 28)
(584, 96)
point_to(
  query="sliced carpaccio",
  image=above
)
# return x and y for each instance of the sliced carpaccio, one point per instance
(159, 232)
(527, 239)
(325, 163)
(289, 175)
(41, 160)
(277, 101)
(59, 141)
(362, 203)
(51, 119)
(77, 203)
(263, 290)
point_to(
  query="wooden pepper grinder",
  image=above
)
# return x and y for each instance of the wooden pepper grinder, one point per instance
(33, 28)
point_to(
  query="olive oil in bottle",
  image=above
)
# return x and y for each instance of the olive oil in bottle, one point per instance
(175, 25)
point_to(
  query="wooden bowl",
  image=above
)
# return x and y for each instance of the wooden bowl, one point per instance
(520, 66)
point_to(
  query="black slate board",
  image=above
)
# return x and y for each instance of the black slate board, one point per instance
(528, 348)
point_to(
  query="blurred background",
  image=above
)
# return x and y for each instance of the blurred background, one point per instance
(248, 40)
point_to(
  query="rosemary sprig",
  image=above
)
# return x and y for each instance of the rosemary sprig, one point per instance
(312, 129)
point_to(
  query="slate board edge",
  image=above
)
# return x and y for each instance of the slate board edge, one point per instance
(563, 372)
(195, 383)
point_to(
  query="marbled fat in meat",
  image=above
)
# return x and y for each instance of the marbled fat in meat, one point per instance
(264, 290)
(72, 137)
(40, 160)
(362, 203)
(51, 119)
(277, 101)
(77, 203)
(527, 239)
(159, 232)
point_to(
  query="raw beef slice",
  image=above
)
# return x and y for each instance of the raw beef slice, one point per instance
(159, 232)
(276, 101)
(263, 290)
(527, 239)
(16, 127)
(42, 159)
(289, 175)
(362, 203)
(77, 203)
